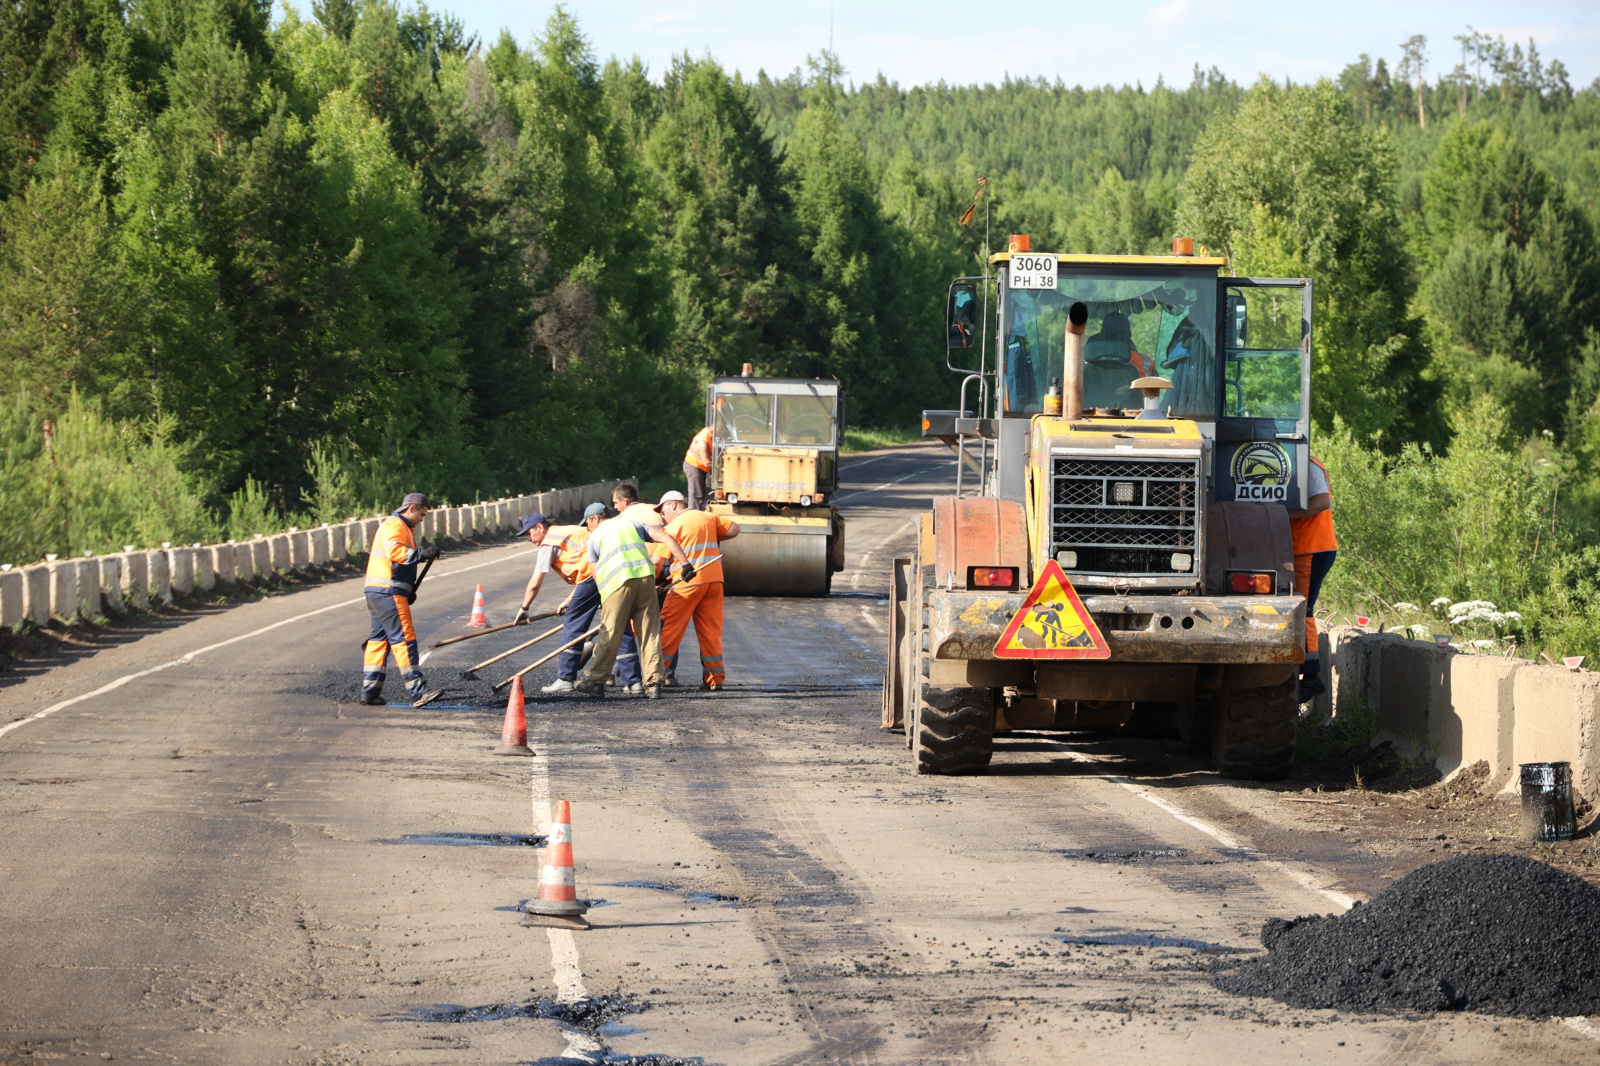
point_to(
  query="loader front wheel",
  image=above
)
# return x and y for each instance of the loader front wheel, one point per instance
(953, 730)
(1253, 731)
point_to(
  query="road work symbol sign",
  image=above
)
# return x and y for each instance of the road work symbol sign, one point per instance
(1052, 624)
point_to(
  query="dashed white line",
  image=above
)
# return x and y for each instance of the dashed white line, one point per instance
(876, 488)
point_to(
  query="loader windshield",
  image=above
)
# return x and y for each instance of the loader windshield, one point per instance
(776, 412)
(1140, 325)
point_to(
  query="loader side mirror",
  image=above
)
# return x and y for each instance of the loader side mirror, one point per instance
(961, 316)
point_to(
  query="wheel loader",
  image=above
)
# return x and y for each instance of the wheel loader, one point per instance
(1123, 559)
(775, 469)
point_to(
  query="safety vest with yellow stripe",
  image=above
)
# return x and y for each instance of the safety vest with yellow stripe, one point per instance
(619, 553)
(700, 535)
(392, 563)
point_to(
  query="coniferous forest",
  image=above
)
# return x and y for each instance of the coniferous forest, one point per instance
(257, 265)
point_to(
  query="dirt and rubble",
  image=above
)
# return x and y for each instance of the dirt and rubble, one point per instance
(1496, 934)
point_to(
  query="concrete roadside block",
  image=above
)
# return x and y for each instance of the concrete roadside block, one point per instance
(180, 565)
(299, 549)
(205, 578)
(160, 575)
(13, 598)
(64, 588)
(1412, 690)
(452, 522)
(223, 565)
(111, 581)
(36, 583)
(1555, 720)
(89, 588)
(260, 559)
(369, 533)
(469, 520)
(319, 547)
(1482, 711)
(136, 579)
(336, 549)
(278, 549)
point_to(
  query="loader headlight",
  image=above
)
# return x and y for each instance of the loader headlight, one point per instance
(805, 501)
(1068, 560)
(1182, 562)
(733, 497)
(1123, 492)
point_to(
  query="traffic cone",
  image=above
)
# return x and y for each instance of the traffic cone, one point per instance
(557, 904)
(478, 619)
(514, 734)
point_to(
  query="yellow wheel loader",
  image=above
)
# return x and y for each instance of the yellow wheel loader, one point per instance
(775, 470)
(1124, 561)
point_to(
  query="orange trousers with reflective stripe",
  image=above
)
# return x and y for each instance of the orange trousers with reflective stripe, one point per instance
(701, 604)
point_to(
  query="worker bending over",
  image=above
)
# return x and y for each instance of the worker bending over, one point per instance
(570, 558)
(699, 596)
(696, 468)
(1314, 552)
(391, 589)
(625, 577)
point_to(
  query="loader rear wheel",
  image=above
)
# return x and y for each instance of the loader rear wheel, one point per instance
(1253, 731)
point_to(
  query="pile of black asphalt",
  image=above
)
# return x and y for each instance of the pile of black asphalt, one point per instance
(1496, 934)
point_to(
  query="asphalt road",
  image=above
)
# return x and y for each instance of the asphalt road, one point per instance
(219, 857)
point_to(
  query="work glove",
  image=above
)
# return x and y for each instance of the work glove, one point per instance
(687, 574)
(430, 553)
(562, 609)
(522, 617)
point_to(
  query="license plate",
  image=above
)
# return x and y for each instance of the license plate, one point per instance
(1030, 271)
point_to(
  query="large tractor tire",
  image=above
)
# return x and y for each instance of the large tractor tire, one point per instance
(1253, 731)
(949, 730)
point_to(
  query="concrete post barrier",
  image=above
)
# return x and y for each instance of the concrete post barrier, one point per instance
(1555, 720)
(452, 522)
(160, 575)
(13, 598)
(136, 579)
(336, 539)
(1483, 709)
(205, 578)
(224, 568)
(299, 549)
(111, 581)
(89, 588)
(36, 584)
(260, 559)
(369, 533)
(278, 548)
(319, 547)
(64, 588)
(180, 565)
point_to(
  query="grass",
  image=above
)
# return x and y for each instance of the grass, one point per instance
(1352, 729)
(859, 439)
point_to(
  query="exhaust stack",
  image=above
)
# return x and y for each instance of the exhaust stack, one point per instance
(1072, 371)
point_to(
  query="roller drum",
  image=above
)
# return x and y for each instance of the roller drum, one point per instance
(775, 564)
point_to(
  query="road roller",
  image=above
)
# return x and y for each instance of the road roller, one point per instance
(775, 470)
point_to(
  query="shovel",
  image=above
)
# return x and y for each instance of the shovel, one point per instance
(569, 644)
(513, 651)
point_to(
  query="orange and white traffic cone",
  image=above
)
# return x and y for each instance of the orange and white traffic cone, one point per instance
(557, 904)
(514, 734)
(478, 619)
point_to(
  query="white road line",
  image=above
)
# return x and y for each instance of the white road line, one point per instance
(875, 488)
(1221, 836)
(188, 657)
(1582, 1025)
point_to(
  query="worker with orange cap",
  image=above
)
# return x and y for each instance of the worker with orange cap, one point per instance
(1315, 550)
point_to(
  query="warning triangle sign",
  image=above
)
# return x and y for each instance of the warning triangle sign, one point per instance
(1052, 623)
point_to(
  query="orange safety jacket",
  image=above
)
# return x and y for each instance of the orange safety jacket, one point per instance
(699, 453)
(699, 534)
(1314, 533)
(571, 558)
(392, 563)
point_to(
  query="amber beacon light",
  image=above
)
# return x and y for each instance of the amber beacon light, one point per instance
(1183, 246)
(1020, 242)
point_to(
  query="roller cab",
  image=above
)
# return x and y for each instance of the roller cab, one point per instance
(775, 470)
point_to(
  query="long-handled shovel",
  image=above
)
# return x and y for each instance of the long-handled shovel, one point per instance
(491, 629)
(513, 651)
(532, 666)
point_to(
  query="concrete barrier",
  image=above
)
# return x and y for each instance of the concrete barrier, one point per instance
(278, 549)
(64, 588)
(260, 559)
(369, 533)
(136, 579)
(180, 567)
(205, 578)
(224, 566)
(299, 549)
(160, 570)
(336, 549)
(111, 582)
(1555, 720)
(13, 598)
(452, 522)
(36, 593)
(319, 546)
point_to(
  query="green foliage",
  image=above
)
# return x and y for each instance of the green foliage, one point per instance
(861, 439)
(1352, 730)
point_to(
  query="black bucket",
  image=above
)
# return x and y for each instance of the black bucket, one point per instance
(1547, 812)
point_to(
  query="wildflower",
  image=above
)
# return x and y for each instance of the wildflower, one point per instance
(1407, 607)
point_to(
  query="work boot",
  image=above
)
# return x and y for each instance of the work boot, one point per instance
(671, 682)
(587, 687)
(613, 680)
(558, 685)
(653, 692)
(373, 699)
(713, 686)
(1312, 687)
(635, 689)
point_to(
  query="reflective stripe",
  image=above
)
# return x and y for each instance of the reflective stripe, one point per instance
(621, 555)
(392, 560)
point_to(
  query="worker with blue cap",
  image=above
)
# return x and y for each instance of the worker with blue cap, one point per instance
(571, 561)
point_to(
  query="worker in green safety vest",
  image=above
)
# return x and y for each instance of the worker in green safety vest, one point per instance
(627, 581)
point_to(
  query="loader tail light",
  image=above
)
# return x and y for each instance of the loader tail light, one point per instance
(1252, 584)
(991, 577)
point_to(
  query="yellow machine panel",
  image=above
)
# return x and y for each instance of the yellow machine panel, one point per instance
(771, 475)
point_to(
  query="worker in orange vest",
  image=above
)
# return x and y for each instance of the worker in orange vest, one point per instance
(391, 588)
(700, 534)
(1314, 552)
(696, 467)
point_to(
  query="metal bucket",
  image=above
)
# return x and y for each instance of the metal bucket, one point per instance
(1547, 812)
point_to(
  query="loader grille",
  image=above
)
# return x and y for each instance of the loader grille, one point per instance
(1127, 517)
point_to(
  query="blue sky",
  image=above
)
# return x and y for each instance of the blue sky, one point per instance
(962, 41)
